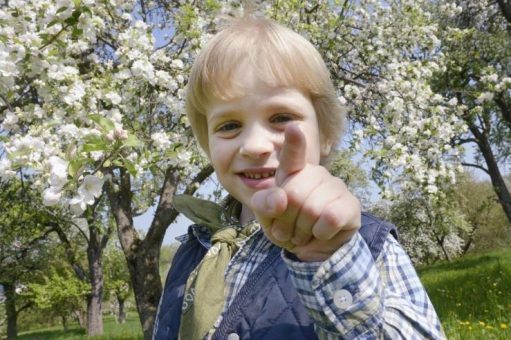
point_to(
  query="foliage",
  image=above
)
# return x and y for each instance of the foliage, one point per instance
(471, 295)
(383, 55)
(117, 279)
(356, 179)
(477, 53)
(60, 293)
(84, 90)
(427, 231)
(488, 225)
(26, 245)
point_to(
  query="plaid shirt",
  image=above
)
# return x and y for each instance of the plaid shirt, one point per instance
(350, 295)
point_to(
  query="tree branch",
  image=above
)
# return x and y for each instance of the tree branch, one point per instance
(465, 141)
(480, 167)
(504, 109)
(505, 8)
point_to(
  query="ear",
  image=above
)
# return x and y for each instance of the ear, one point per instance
(326, 147)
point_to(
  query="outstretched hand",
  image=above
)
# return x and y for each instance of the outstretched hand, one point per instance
(309, 212)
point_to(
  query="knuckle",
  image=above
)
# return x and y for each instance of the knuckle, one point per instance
(293, 196)
(331, 217)
(312, 209)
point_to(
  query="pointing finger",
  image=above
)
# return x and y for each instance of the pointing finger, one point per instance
(292, 157)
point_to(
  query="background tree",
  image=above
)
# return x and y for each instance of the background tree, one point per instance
(427, 231)
(117, 278)
(488, 224)
(353, 174)
(24, 245)
(60, 294)
(477, 48)
(86, 101)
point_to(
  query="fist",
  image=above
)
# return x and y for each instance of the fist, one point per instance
(309, 212)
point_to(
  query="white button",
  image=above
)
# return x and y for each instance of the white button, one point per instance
(233, 336)
(343, 298)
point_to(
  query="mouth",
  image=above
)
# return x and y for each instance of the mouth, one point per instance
(258, 174)
(257, 179)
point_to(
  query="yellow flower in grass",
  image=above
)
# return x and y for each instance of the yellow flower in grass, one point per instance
(503, 326)
(481, 323)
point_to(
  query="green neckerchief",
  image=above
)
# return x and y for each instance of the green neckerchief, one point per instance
(204, 295)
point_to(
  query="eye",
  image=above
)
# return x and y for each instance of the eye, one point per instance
(228, 129)
(281, 118)
(229, 126)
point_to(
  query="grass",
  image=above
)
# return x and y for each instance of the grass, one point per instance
(131, 330)
(472, 295)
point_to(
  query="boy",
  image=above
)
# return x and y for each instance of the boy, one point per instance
(284, 255)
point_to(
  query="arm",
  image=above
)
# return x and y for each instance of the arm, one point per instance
(350, 295)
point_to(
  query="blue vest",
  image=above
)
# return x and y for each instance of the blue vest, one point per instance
(267, 306)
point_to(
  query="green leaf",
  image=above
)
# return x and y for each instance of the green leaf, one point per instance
(130, 167)
(45, 37)
(132, 141)
(94, 147)
(105, 123)
(75, 166)
(77, 32)
(73, 19)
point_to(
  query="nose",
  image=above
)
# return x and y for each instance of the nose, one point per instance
(257, 142)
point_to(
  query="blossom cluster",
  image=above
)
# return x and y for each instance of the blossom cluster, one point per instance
(87, 88)
(383, 56)
(91, 87)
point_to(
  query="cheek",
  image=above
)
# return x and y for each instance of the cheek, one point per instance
(219, 155)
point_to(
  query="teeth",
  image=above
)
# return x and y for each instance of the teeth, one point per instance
(259, 175)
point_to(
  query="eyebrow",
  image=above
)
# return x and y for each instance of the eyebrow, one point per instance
(220, 114)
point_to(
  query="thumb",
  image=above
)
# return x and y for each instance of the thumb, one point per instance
(268, 204)
(292, 156)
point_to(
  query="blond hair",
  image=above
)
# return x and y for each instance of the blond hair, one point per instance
(279, 56)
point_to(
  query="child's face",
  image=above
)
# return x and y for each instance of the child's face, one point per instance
(246, 134)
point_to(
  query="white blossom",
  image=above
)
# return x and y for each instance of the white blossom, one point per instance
(161, 140)
(51, 196)
(58, 172)
(74, 94)
(485, 96)
(113, 97)
(142, 68)
(5, 169)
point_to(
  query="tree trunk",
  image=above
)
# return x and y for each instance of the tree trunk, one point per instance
(95, 298)
(121, 317)
(441, 241)
(144, 270)
(80, 317)
(499, 185)
(10, 309)
(142, 256)
(64, 323)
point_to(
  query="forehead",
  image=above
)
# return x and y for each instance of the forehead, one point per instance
(261, 99)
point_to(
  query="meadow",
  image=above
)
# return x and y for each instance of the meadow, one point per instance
(130, 330)
(472, 296)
